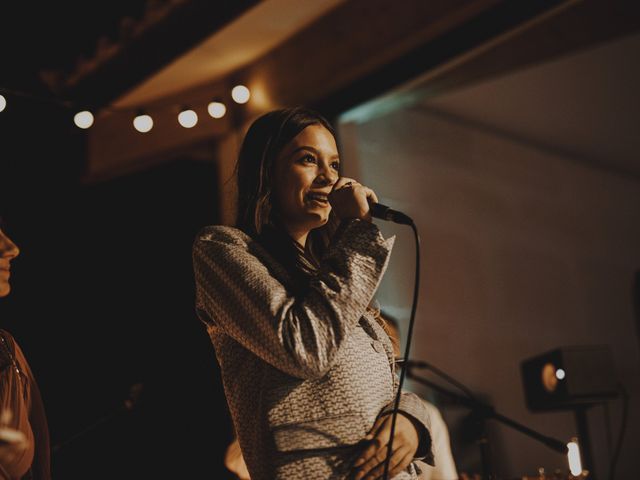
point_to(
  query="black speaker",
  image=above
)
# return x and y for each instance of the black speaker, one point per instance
(568, 377)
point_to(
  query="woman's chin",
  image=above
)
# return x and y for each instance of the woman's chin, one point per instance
(318, 219)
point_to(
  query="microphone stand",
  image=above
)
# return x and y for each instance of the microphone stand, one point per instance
(127, 406)
(484, 412)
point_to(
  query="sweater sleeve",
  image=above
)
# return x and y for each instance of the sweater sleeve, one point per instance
(41, 465)
(235, 291)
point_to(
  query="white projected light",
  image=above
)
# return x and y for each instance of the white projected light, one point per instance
(143, 123)
(240, 94)
(188, 118)
(573, 455)
(3, 103)
(83, 119)
(560, 374)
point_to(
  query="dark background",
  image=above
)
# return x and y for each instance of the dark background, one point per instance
(103, 298)
(103, 291)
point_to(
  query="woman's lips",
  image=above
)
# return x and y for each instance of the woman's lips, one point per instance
(320, 198)
(318, 201)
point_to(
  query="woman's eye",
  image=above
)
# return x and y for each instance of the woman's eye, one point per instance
(308, 159)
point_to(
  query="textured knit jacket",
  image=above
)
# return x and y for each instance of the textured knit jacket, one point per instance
(305, 377)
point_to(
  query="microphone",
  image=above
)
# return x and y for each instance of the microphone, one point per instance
(383, 212)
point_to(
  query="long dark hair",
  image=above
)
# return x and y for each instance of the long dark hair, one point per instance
(266, 138)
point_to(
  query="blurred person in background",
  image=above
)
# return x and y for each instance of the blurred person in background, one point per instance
(445, 466)
(24, 435)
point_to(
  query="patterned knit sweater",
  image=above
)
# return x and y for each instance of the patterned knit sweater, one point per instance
(305, 377)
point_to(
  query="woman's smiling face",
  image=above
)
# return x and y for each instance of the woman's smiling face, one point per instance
(304, 174)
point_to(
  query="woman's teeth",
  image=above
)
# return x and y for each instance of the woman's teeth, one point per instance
(318, 197)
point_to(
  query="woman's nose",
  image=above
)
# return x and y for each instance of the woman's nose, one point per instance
(326, 179)
(8, 249)
(327, 176)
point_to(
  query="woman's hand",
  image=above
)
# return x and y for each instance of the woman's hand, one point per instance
(349, 199)
(370, 464)
(234, 461)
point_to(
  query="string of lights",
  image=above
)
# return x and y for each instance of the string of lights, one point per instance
(142, 120)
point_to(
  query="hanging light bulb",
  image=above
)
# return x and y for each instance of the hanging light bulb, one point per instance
(3, 103)
(187, 118)
(83, 119)
(143, 122)
(216, 109)
(240, 94)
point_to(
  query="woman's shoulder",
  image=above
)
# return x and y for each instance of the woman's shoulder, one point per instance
(7, 337)
(229, 246)
(8, 348)
(223, 234)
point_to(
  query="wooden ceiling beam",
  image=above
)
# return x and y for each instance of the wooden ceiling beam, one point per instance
(146, 46)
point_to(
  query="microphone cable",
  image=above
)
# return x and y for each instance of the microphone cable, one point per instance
(403, 368)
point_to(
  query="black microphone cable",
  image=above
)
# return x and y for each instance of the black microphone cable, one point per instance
(403, 368)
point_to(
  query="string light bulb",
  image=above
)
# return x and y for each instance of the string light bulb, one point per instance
(187, 118)
(83, 119)
(240, 94)
(216, 109)
(143, 122)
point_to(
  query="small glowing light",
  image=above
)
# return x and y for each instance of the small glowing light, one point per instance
(573, 455)
(143, 123)
(240, 94)
(3, 103)
(216, 109)
(188, 118)
(548, 377)
(560, 374)
(83, 119)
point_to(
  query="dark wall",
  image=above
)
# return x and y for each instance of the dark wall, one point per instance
(103, 299)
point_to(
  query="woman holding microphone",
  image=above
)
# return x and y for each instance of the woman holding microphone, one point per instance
(306, 364)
